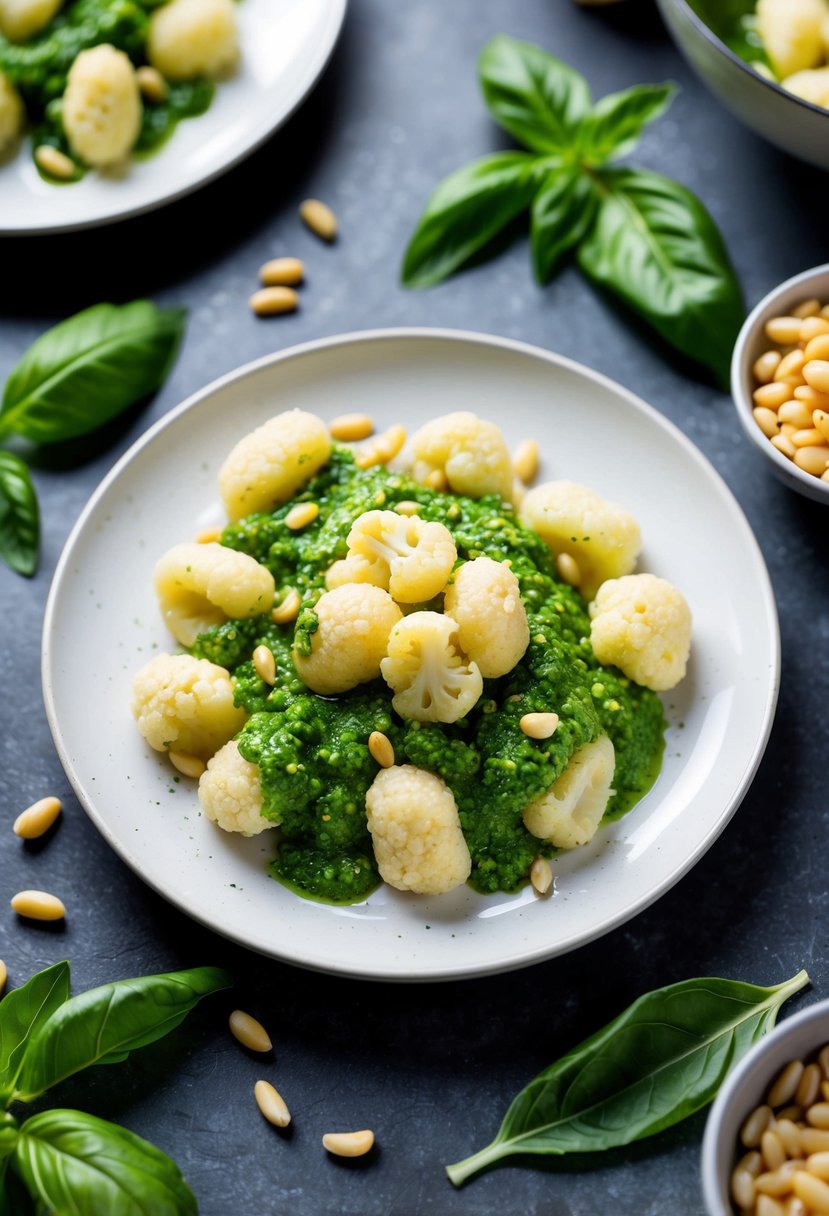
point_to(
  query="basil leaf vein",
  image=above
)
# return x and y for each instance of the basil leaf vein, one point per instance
(19, 516)
(537, 98)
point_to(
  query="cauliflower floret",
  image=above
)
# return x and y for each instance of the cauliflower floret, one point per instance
(410, 558)
(193, 38)
(20, 19)
(431, 677)
(791, 33)
(230, 792)
(416, 831)
(569, 814)
(203, 585)
(642, 625)
(354, 626)
(473, 455)
(485, 600)
(102, 106)
(268, 466)
(12, 113)
(812, 85)
(185, 705)
(601, 536)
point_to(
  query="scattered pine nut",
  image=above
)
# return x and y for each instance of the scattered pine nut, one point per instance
(282, 272)
(539, 726)
(37, 819)
(54, 162)
(437, 480)
(319, 218)
(568, 570)
(188, 766)
(271, 1104)
(525, 461)
(410, 507)
(381, 749)
(541, 875)
(300, 516)
(269, 301)
(383, 448)
(288, 609)
(348, 1144)
(209, 536)
(152, 84)
(38, 905)
(249, 1032)
(4, 975)
(350, 428)
(265, 664)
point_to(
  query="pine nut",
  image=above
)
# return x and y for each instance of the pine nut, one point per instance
(437, 480)
(382, 449)
(541, 875)
(348, 1144)
(282, 272)
(809, 308)
(789, 1135)
(380, 747)
(766, 1206)
(824, 312)
(813, 327)
(249, 1032)
(784, 1087)
(818, 1164)
(152, 84)
(539, 726)
(742, 1188)
(814, 1140)
(818, 347)
(350, 428)
(568, 570)
(772, 395)
(37, 819)
(525, 461)
(4, 975)
(809, 437)
(808, 1086)
(792, 1113)
(784, 445)
(269, 301)
(811, 398)
(54, 162)
(794, 1207)
(765, 367)
(766, 420)
(824, 1085)
(408, 507)
(209, 536)
(751, 1161)
(783, 330)
(771, 1146)
(791, 368)
(288, 609)
(775, 1182)
(319, 218)
(818, 1116)
(823, 1060)
(812, 459)
(787, 429)
(755, 1125)
(820, 421)
(794, 412)
(188, 766)
(271, 1104)
(265, 664)
(816, 375)
(38, 905)
(300, 516)
(813, 1191)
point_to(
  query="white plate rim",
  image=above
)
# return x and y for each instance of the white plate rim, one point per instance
(541, 954)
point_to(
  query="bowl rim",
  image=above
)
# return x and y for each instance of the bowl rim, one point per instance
(815, 488)
(718, 43)
(788, 1028)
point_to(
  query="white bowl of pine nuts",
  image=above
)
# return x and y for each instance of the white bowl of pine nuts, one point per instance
(780, 381)
(766, 1145)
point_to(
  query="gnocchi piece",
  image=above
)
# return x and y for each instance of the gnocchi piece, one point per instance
(569, 814)
(193, 38)
(102, 106)
(471, 453)
(230, 793)
(203, 585)
(642, 625)
(12, 113)
(601, 536)
(416, 831)
(268, 466)
(185, 704)
(409, 557)
(811, 85)
(431, 677)
(791, 31)
(485, 600)
(21, 19)
(354, 626)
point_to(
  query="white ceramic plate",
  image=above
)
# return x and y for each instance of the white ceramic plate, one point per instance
(102, 623)
(285, 46)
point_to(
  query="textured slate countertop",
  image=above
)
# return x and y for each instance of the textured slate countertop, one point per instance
(431, 1068)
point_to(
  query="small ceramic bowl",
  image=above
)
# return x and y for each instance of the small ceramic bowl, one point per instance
(745, 1088)
(749, 346)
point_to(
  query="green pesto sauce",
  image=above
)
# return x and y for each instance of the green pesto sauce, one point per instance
(312, 751)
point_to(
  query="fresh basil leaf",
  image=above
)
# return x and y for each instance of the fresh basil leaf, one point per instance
(562, 213)
(76, 1163)
(537, 98)
(617, 121)
(89, 368)
(661, 1060)
(656, 247)
(103, 1025)
(466, 211)
(19, 516)
(22, 1012)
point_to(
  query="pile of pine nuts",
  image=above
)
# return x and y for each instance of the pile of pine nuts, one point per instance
(785, 1171)
(791, 402)
(281, 276)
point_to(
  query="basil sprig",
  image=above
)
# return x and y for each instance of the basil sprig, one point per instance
(637, 234)
(73, 379)
(661, 1060)
(65, 1160)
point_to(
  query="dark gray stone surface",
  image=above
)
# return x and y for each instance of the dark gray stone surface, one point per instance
(430, 1068)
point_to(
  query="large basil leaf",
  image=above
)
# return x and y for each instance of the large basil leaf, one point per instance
(22, 1012)
(85, 1166)
(19, 516)
(661, 1060)
(562, 213)
(89, 368)
(104, 1025)
(617, 120)
(466, 211)
(656, 246)
(537, 98)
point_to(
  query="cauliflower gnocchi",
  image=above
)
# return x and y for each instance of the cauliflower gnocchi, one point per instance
(193, 38)
(432, 679)
(416, 831)
(102, 106)
(20, 19)
(792, 33)
(471, 454)
(569, 814)
(352, 634)
(485, 600)
(267, 467)
(230, 793)
(185, 704)
(407, 556)
(12, 114)
(642, 625)
(203, 585)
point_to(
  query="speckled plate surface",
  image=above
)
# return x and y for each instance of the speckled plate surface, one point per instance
(285, 46)
(102, 623)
